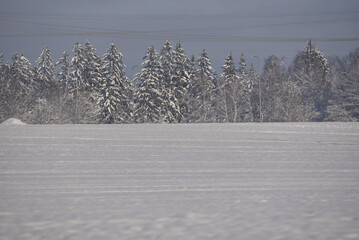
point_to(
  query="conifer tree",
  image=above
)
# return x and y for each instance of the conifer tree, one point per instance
(148, 97)
(117, 95)
(171, 107)
(45, 96)
(230, 90)
(45, 66)
(205, 95)
(18, 85)
(22, 73)
(77, 69)
(181, 79)
(45, 84)
(62, 76)
(93, 69)
(85, 107)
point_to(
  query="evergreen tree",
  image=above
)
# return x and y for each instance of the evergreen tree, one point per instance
(77, 70)
(45, 84)
(117, 96)
(310, 71)
(45, 96)
(148, 97)
(45, 66)
(17, 82)
(230, 90)
(83, 88)
(93, 69)
(205, 93)
(171, 107)
(181, 78)
(62, 76)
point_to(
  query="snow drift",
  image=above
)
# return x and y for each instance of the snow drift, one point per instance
(13, 121)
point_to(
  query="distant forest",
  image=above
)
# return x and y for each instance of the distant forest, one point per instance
(175, 88)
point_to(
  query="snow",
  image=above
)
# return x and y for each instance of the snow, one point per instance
(199, 181)
(13, 121)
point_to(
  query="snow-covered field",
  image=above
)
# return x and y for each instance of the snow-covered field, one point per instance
(200, 181)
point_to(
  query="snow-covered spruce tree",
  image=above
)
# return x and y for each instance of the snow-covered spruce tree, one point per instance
(117, 93)
(45, 69)
(246, 90)
(230, 90)
(46, 94)
(171, 111)
(64, 83)
(18, 81)
(148, 97)
(77, 84)
(77, 70)
(93, 69)
(181, 79)
(310, 71)
(204, 104)
(63, 75)
(84, 106)
(1, 59)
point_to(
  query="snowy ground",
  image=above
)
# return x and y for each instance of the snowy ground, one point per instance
(203, 181)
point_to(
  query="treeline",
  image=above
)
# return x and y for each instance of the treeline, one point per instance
(174, 88)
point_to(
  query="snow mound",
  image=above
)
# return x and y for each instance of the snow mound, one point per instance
(13, 121)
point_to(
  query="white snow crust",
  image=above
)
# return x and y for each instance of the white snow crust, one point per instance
(13, 121)
(199, 181)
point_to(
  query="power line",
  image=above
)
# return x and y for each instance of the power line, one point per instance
(173, 16)
(70, 30)
(186, 30)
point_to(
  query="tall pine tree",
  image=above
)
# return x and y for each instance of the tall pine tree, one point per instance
(19, 82)
(171, 110)
(205, 95)
(63, 75)
(230, 90)
(148, 97)
(45, 82)
(181, 79)
(117, 93)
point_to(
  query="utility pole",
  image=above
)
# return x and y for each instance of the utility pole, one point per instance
(260, 91)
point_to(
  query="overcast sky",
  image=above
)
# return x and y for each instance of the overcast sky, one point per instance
(252, 27)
